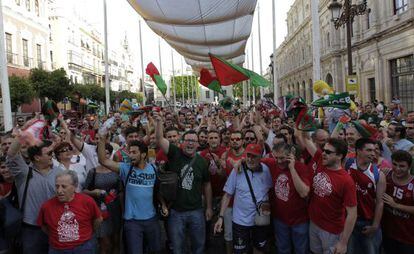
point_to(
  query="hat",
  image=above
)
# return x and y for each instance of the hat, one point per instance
(254, 149)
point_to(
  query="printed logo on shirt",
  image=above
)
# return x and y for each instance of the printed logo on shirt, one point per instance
(187, 182)
(68, 226)
(142, 179)
(322, 185)
(282, 187)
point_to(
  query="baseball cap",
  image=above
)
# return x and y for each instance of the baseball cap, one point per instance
(254, 149)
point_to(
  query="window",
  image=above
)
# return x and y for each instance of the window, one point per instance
(402, 80)
(18, 2)
(400, 6)
(328, 39)
(37, 11)
(25, 53)
(368, 20)
(207, 94)
(28, 5)
(371, 87)
(9, 48)
(39, 56)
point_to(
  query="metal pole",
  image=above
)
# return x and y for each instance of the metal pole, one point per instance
(275, 85)
(260, 47)
(248, 81)
(142, 65)
(316, 51)
(252, 65)
(348, 36)
(173, 84)
(188, 88)
(107, 89)
(159, 55)
(182, 81)
(5, 91)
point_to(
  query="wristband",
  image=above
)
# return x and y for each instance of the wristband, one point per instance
(221, 216)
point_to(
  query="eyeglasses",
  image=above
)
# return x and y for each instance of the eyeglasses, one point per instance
(49, 153)
(190, 141)
(328, 152)
(249, 138)
(235, 139)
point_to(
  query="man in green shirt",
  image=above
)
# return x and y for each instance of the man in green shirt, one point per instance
(187, 210)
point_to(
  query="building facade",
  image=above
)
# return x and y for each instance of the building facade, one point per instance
(76, 45)
(26, 35)
(382, 51)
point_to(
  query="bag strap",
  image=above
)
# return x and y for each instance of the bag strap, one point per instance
(250, 187)
(127, 178)
(188, 168)
(26, 186)
(91, 186)
(212, 157)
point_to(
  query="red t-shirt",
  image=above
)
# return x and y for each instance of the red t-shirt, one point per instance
(69, 224)
(286, 203)
(217, 181)
(365, 190)
(397, 224)
(331, 192)
(5, 189)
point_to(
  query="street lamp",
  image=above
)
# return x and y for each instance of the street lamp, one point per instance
(350, 11)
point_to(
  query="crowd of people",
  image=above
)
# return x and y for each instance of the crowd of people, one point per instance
(163, 180)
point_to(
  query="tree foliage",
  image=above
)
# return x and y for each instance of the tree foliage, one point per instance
(21, 92)
(53, 85)
(186, 83)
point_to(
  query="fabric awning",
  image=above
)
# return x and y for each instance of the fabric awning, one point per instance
(195, 28)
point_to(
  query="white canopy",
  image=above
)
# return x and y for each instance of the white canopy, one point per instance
(195, 28)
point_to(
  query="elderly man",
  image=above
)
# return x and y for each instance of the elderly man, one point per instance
(69, 218)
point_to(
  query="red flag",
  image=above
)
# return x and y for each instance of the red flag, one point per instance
(227, 73)
(209, 81)
(156, 77)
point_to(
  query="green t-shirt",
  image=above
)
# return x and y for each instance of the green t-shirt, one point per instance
(190, 188)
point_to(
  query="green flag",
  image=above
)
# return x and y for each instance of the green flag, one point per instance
(156, 77)
(341, 101)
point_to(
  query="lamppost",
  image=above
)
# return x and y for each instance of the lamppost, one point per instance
(350, 11)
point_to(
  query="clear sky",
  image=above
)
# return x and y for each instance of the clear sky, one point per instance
(122, 19)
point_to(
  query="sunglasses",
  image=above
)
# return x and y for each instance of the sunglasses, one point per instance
(328, 152)
(67, 149)
(249, 138)
(235, 139)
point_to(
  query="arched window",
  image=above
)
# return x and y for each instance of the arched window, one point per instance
(329, 79)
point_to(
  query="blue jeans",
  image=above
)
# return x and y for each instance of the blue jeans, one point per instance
(178, 222)
(135, 231)
(34, 240)
(87, 247)
(285, 235)
(361, 243)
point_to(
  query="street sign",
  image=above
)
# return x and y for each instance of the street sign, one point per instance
(352, 85)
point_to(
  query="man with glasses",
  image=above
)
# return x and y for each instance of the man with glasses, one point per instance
(332, 201)
(40, 178)
(194, 180)
(20, 122)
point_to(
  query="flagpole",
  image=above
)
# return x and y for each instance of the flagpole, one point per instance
(252, 65)
(192, 89)
(248, 81)
(260, 46)
(5, 90)
(159, 55)
(316, 51)
(275, 85)
(107, 89)
(142, 65)
(172, 81)
(182, 82)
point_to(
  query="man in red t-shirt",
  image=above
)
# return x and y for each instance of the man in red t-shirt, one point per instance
(291, 183)
(370, 187)
(398, 217)
(332, 203)
(70, 218)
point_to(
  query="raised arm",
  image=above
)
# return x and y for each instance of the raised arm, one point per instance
(301, 187)
(112, 165)
(162, 142)
(306, 141)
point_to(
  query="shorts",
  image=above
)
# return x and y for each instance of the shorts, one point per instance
(246, 237)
